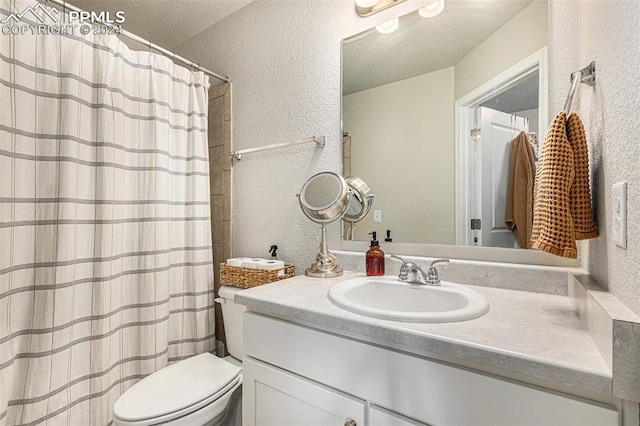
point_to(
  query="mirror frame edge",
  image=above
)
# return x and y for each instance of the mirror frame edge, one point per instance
(479, 254)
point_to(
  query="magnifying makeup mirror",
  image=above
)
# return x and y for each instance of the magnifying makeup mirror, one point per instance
(325, 198)
(360, 204)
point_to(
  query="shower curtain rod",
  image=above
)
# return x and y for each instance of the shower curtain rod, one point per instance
(134, 37)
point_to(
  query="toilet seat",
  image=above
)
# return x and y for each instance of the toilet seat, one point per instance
(176, 391)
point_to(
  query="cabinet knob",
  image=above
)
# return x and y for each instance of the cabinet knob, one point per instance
(349, 422)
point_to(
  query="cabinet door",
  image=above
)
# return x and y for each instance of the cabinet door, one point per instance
(378, 416)
(275, 397)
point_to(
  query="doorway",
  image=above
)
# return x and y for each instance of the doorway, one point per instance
(487, 120)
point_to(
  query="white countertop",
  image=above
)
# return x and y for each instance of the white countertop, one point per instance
(531, 334)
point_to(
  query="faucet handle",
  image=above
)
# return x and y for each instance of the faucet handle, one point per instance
(432, 274)
(437, 262)
(404, 269)
(404, 262)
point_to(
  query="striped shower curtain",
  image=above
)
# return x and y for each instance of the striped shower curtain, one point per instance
(105, 245)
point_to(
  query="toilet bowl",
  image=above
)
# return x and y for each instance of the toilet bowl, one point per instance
(194, 391)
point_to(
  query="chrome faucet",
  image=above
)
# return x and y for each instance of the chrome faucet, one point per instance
(411, 273)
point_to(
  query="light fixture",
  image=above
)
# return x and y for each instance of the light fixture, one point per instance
(431, 4)
(432, 9)
(366, 3)
(388, 26)
(367, 8)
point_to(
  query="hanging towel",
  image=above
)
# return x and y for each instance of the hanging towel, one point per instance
(553, 228)
(580, 194)
(522, 170)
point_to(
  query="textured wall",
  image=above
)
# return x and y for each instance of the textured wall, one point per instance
(402, 145)
(607, 32)
(284, 60)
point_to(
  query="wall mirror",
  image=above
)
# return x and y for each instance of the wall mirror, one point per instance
(415, 104)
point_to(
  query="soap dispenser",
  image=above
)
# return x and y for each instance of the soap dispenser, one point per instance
(375, 258)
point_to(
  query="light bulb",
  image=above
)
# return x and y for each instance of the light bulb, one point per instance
(366, 3)
(389, 26)
(432, 9)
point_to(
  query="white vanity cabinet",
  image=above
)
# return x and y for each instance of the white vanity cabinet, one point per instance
(297, 375)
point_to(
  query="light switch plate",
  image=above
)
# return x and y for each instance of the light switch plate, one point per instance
(377, 216)
(619, 225)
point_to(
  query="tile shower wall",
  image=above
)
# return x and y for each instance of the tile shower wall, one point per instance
(346, 169)
(220, 144)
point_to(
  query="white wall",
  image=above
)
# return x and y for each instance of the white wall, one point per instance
(402, 146)
(522, 36)
(609, 33)
(284, 60)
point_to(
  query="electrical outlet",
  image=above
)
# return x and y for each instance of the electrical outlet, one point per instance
(619, 225)
(377, 216)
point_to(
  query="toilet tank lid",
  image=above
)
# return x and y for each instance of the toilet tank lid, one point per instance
(175, 387)
(228, 292)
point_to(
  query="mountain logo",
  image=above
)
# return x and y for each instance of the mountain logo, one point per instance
(34, 11)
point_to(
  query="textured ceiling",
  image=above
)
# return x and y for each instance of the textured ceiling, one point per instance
(167, 23)
(422, 45)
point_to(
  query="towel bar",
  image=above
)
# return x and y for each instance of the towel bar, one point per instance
(587, 76)
(319, 140)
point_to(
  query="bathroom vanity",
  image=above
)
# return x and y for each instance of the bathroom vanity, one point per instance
(529, 361)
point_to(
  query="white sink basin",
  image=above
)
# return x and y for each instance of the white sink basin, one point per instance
(389, 299)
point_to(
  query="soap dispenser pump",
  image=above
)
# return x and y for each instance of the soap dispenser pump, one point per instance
(375, 258)
(272, 250)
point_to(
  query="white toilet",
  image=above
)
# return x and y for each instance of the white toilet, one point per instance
(195, 391)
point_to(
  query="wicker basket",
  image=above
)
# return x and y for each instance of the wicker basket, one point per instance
(237, 276)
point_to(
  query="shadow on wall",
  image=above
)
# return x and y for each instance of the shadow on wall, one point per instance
(598, 248)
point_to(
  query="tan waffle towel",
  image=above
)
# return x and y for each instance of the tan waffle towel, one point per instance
(553, 229)
(562, 204)
(580, 194)
(522, 170)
